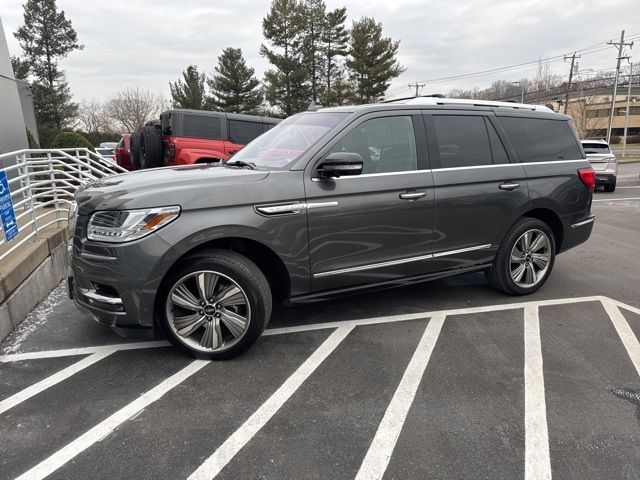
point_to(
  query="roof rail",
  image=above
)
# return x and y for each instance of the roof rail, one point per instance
(433, 95)
(475, 103)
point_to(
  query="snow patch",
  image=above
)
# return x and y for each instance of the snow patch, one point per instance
(33, 320)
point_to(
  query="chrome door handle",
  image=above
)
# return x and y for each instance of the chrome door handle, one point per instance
(509, 186)
(412, 195)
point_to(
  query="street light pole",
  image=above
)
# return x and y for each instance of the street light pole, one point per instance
(626, 115)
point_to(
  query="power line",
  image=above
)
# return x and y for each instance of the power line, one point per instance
(585, 51)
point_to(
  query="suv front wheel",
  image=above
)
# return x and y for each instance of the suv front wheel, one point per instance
(525, 258)
(215, 306)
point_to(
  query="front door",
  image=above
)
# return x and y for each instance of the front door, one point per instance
(377, 226)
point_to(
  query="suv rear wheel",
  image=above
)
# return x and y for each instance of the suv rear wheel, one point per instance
(610, 187)
(525, 258)
(215, 306)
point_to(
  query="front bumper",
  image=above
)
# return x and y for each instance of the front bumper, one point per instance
(116, 284)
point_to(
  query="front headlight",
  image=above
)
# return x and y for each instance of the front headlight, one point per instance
(119, 226)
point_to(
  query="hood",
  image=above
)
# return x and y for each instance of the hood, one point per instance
(184, 185)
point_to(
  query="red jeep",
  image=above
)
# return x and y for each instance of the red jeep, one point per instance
(183, 137)
(123, 152)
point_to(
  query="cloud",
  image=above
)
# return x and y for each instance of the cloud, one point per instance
(149, 42)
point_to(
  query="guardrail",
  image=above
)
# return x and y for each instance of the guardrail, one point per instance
(43, 182)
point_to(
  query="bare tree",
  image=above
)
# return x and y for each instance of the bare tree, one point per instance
(131, 107)
(584, 113)
(92, 117)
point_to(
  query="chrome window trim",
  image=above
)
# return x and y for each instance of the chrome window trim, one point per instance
(452, 169)
(584, 222)
(401, 261)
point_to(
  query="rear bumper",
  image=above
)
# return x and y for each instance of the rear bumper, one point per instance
(605, 178)
(577, 232)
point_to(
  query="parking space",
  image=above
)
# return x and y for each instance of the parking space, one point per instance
(443, 380)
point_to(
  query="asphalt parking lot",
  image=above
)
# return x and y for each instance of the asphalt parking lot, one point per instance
(447, 380)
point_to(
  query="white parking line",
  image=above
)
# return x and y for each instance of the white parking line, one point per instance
(232, 445)
(309, 327)
(50, 381)
(537, 458)
(616, 199)
(633, 186)
(377, 458)
(624, 332)
(104, 428)
(70, 352)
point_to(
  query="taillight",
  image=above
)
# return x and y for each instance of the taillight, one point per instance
(171, 151)
(588, 177)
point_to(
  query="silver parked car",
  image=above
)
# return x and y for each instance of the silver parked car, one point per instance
(603, 162)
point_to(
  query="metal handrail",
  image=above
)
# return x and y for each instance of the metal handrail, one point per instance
(43, 182)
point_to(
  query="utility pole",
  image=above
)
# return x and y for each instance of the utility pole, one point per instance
(620, 46)
(626, 115)
(573, 61)
(417, 86)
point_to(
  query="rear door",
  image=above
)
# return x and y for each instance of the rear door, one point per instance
(549, 149)
(378, 226)
(480, 188)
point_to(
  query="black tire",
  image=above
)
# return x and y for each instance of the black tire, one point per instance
(242, 272)
(134, 151)
(610, 187)
(499, 275)
(151, 147)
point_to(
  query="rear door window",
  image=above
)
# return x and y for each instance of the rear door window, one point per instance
(242, 132)
(201, 126)
(541, 139)
(462, 141)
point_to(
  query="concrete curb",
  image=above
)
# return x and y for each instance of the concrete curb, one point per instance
(33, 289)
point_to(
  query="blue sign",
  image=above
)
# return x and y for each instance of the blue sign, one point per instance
(7, 213)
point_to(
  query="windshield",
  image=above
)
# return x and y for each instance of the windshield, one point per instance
(595, 148)
(284, 143)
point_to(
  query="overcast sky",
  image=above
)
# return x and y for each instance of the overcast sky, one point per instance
(149, 42)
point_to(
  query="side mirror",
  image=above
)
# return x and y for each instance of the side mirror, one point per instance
(338, 164)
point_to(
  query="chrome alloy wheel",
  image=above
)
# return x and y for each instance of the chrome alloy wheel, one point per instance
(208, 311)
(530, 257)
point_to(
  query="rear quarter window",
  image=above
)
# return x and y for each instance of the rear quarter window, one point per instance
(242, 132)
(201, 126)
(541, 139)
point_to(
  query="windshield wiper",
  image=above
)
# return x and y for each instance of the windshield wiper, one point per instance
(241, 164)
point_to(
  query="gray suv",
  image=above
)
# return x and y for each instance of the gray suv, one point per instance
(332, 202)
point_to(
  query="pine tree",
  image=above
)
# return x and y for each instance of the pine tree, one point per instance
(47, 36)
(286, 85)
(21, 67)
(372, 60)
(189, 92)
(335, 41)
(314, 17)
(234, 87)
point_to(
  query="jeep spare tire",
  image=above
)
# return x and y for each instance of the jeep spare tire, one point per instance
(151, 147)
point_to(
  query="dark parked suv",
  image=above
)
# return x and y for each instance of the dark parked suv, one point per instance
(330, 202)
